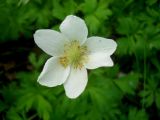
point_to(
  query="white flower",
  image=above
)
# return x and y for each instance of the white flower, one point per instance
(72, 53)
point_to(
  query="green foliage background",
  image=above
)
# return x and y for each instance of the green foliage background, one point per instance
(128, 91)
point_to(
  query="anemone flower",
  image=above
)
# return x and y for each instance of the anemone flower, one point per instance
(72, 54)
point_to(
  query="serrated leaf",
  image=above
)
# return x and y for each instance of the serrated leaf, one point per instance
(43, 107)
(90, 19)
(89, 6)
(32, 59)
(151, 2)
(127, 26)
(158, 99)
(128, 83)
(135, 114)
(149, 100)
(12, 114)
(62, 9)
(26, 101)
(124, 46)
(95, 12)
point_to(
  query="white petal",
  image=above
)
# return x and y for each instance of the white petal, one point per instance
(74, 28)
(96, 60)
(50, 41)
(76, 82)
(53, 73)
(99, 44)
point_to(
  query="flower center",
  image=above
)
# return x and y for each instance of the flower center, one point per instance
(74, 54)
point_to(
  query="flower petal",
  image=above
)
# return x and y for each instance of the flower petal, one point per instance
(76, 82)
(50, 41)
(53, 73)
(99, 44)
(74, 28)
(96, 60)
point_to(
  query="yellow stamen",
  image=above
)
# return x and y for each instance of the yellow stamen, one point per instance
(74, 54)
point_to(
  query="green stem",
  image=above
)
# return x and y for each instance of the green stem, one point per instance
(32, 117)
(144, 73)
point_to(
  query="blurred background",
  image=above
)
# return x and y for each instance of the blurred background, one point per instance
(128, 91)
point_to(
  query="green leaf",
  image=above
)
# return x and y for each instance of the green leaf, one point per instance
(155, 42)
(135, 114)
(95, 12)
(89, 7)
(158, 99)
(23, 2)
(2, 106)
(149, 94)
(127, 26)
(26, 101)
(61, 9)
(90, 19)
(125, 46)
(12, 114)
(37, 61)
(43, 107)
(128, 83)
(151, 2)
(149, 100)
(32, 59)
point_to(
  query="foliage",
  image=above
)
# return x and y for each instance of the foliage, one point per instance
(128, 91)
